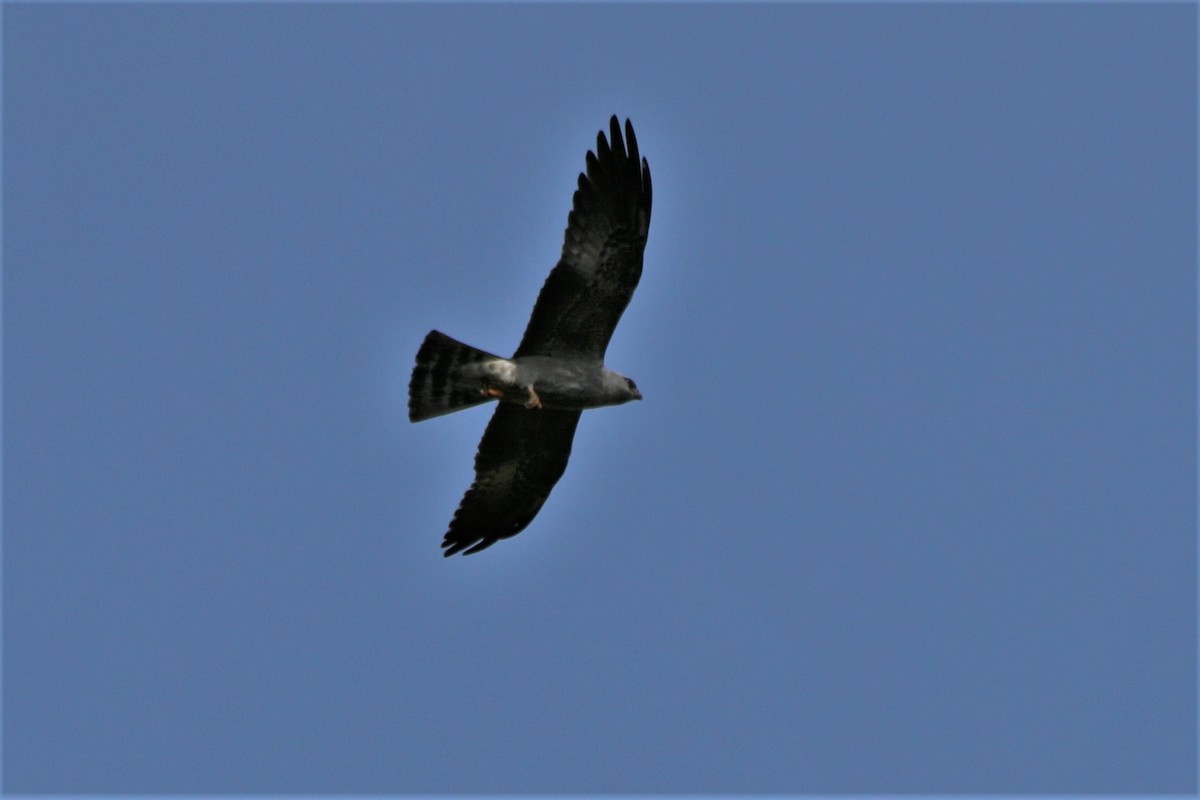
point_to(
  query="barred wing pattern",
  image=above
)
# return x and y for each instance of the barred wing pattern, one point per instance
(522, 455)
(583, 299)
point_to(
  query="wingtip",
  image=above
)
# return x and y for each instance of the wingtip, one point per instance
(647, 185)
(466, 548)
(618, 142)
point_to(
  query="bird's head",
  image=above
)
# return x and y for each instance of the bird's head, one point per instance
(633, 390)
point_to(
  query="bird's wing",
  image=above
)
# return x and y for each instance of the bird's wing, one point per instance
(522, 455)
(586, 293)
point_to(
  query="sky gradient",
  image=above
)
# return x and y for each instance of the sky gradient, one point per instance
(909, 506)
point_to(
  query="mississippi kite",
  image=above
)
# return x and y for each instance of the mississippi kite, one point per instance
(558, 369)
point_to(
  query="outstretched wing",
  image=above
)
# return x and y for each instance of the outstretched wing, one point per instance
(522, 455)
(586, 293)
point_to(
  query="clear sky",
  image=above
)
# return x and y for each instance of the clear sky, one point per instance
(910, 503)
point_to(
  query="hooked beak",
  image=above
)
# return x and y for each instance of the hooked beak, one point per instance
(637, 394)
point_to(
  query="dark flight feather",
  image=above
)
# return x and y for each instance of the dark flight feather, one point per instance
(586, 293)
(522, 455)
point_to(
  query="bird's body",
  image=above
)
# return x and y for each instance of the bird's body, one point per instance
(558, 370)
(573, 383)
(564, 382)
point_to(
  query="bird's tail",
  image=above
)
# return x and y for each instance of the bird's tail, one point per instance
(436, 387)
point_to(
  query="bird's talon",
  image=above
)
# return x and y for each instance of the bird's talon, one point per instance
(534, 401)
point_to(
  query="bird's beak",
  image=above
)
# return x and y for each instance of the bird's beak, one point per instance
(637, 394)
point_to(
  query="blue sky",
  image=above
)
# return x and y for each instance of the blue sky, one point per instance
(910, 504)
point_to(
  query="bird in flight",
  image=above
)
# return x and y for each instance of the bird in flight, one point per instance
(558, 369)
